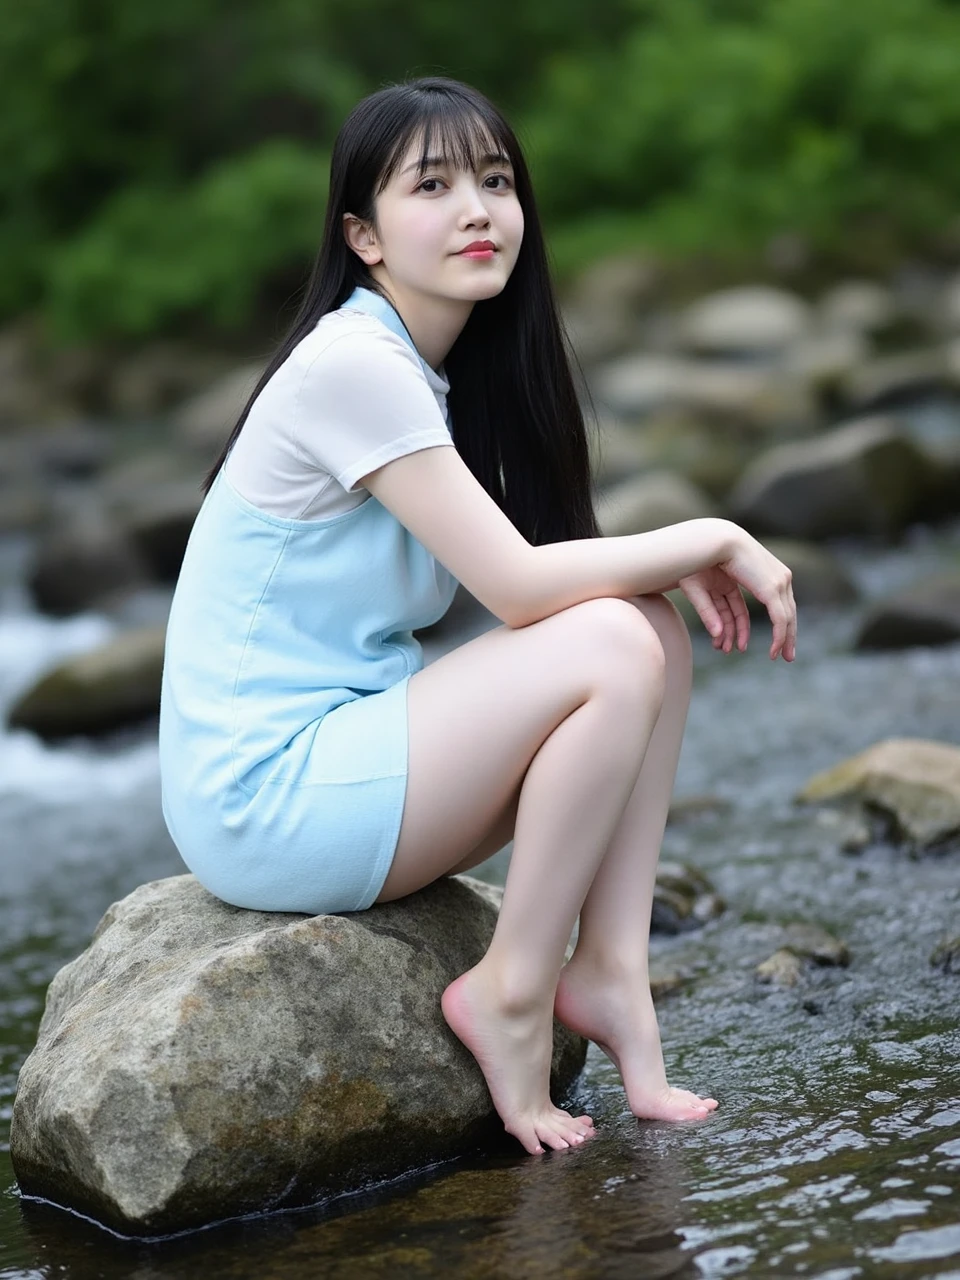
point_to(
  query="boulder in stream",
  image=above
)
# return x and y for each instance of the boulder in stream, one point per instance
(864, 477)
(200, 1061)
(914, 783)
(94, 693)
(922, 614)
(947, 956)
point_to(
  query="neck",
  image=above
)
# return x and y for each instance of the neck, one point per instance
(433, 323)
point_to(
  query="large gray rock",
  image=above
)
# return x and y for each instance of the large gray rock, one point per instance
(926, 613)
(200, 1061)
(80, 558)
(648, 502)
(749, 318)
(94, 693)
(865, 477)
(914, 782)
(745, 396)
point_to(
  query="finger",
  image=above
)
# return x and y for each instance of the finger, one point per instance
(725, 640)
(790, 649)
(703, 602)
(741, 615)
(778, 617)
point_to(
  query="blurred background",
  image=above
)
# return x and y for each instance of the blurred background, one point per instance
(753, 213)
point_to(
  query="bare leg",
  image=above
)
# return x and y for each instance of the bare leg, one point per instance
(604, 992)
(563, 708)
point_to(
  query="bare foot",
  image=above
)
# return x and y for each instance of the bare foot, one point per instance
(513, 1049)
(619, 1018)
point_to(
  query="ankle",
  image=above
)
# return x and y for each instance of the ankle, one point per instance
(610, 966)
(512, 987)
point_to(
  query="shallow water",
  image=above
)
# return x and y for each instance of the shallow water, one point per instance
(836, 1149)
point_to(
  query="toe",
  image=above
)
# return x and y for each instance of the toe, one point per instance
(550, 1136)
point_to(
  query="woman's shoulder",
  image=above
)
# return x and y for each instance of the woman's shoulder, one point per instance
(349, 342)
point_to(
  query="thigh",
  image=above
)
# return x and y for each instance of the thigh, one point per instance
(479, 714)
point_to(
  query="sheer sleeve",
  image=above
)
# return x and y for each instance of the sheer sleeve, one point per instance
(362, 402)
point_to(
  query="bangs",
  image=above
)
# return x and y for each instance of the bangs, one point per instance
(452, 131)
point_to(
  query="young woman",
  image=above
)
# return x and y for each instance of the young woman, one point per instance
(309, 761)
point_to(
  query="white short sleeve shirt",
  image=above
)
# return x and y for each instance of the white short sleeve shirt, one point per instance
(350, 397)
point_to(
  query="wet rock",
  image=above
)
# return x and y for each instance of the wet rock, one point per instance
(665, 984)
(204, 422)
(947, 956)
(927, 613)
(74, 451)
(95, 693)
(824, 360)
(782, 969)
(865, 477)
(24, 498)
(750, 318)
(200, 1061)
(818, 577)
(915, 783)
(894, 379)
(82, 557)
(159, 526)
(748, 397)
(691, 808)
(861, 306)
(650, 502)
(671, 911)
(813, 942)
(159, 374)
(683, 899)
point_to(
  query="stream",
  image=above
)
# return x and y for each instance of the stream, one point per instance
(835, 1151)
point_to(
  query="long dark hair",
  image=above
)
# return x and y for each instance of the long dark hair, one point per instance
(516, 418)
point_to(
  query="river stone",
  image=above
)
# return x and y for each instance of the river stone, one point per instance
(749, 318)
(783, 969)
(915, 782)
(93, 693)
(739, 395)
(894, 379)
(813, 942)
(947, 956)
(865, 477)
(159, 524)
(200, 1061)
(648, 502)
(926, 613)
(862, 306)
(82, 557)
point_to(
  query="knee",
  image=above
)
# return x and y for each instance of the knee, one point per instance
(624, 644)
(672, 631)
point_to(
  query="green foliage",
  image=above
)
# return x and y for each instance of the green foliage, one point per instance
(167, 162)
(707, 132)
(154, 255)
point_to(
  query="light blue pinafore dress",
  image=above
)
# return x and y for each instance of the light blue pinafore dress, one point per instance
(283, 709)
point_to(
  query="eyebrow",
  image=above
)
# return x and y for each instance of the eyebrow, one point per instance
(435, 162)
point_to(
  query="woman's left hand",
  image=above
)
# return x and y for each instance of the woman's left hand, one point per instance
(718, 600)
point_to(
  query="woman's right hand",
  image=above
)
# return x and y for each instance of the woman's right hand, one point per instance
(752, 566)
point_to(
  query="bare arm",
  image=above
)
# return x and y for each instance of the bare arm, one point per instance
(435, 495)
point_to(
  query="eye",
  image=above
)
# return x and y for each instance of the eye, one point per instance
(422, 186)
(501, 177)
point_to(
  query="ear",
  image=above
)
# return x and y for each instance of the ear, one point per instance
(362, 239)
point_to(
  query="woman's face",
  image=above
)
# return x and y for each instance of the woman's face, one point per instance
(425, 221)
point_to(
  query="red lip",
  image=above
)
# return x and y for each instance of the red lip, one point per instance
(478, 245)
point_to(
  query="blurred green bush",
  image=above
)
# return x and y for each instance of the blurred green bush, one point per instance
(164, 165)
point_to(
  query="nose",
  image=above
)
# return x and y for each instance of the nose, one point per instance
(474, 211)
